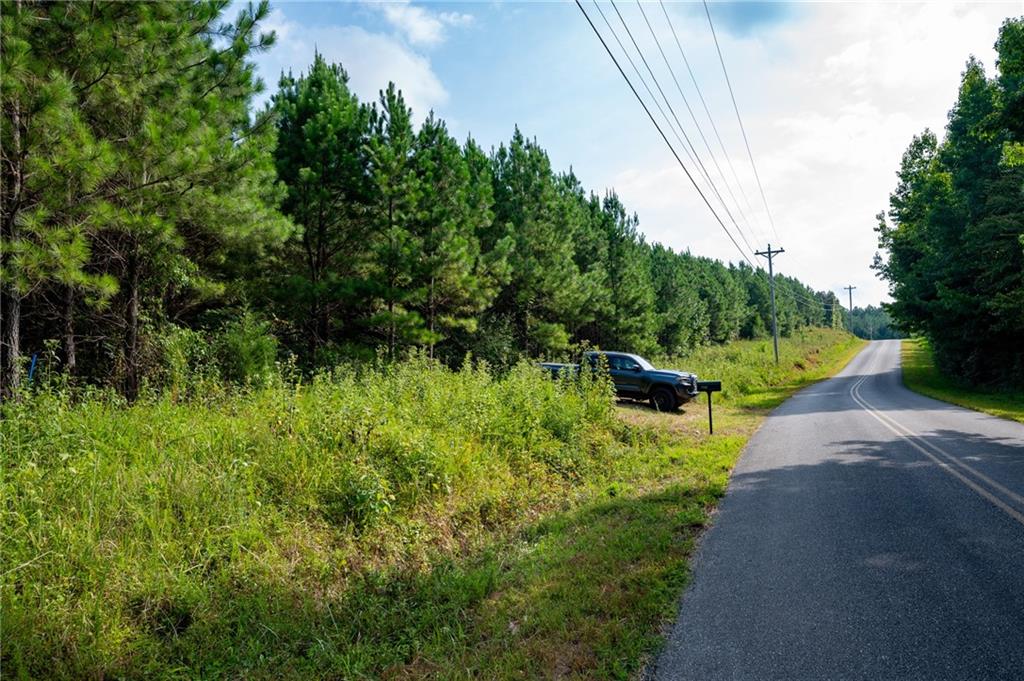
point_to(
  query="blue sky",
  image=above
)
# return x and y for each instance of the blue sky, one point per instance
(830, 95)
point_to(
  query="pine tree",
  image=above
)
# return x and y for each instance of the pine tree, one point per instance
(682, 317)
(397, 247)
(955, 264)
(321, 157)
(544, 283)
(450, 277)
(631, 323)
(53, 166)
(192, 172)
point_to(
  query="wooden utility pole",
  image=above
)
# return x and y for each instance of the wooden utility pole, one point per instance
(849, 289)
(771, 279)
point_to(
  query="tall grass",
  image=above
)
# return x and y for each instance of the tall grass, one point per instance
(921, 375)
(751, 377)
(360, 525)
(135, 537)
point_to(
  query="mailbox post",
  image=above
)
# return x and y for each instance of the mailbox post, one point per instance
(710, 387)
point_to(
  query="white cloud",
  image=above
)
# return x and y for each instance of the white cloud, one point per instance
(830, 97)
(830, 101)
(457, 18)
(371, 60)
(419, 25)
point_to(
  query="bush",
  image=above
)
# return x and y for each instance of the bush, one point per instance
(247, 351)
(181, 361)
(136, 535)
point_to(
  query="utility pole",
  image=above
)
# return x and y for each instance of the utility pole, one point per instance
(849, 289)
(771, 279)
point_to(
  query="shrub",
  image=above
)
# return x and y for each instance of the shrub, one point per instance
(141, 532)
(247, 351)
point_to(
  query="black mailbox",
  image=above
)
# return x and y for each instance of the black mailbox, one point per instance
(709, 387)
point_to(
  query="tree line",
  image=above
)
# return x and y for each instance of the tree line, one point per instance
(871, 323)
(155, 221)
(954, 232)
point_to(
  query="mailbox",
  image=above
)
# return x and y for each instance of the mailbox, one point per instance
(709, 387)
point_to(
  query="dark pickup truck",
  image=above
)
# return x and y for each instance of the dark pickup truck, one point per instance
(637, 379)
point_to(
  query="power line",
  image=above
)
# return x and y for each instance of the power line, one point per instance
(661, 132)
(739, 119)
(643, 81)
(711, 119)
(695, 156)
(700, 132)
(650, 93)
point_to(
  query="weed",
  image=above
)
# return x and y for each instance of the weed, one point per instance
(394, 521)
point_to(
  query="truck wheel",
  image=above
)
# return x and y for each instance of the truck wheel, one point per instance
(662, 399)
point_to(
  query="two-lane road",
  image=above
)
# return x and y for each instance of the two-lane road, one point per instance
(868, 533)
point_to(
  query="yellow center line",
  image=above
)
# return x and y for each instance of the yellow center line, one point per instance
(923, 446)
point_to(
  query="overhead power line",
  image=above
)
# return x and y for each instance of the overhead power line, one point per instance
(696, 124)
(695, 156)
(643, 81)
(661, 132)
(739, 119)
(711, 120)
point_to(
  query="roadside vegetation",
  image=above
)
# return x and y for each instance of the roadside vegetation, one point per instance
(953, 235)
(394, 520)
(149, 206)
(269, 402)
(920, 374)
(871, 323)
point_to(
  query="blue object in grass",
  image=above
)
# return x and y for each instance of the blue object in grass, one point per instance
(32, 367)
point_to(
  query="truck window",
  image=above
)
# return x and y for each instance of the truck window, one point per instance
(621, 363)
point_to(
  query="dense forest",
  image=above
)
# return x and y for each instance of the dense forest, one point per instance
(954, 233)
(871, 323)
(156, 225)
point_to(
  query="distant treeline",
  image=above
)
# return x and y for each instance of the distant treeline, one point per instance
(955, 229)
(154, 223)
(871, 323)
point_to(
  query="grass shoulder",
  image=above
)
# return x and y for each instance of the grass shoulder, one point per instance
(921, 375)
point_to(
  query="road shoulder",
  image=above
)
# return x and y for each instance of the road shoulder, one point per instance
(921, 375)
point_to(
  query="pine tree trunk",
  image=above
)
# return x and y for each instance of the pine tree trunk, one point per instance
(392, 280)
(70, 361)
(10, 379)
(10, 297)
(391, 329)
(131, 345)
(313, 265)
(432, 314)
(321, 318)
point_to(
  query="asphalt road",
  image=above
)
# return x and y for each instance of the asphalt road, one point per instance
(868, 533)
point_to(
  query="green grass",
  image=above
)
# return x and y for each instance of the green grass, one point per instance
(401, 522)
(921, 375)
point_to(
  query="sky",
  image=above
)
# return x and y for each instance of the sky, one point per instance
(830, 94)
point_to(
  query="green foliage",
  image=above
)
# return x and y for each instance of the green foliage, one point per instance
(872, 323)
(247, 352)
(322, 132)
(154, 200)
(381, 520)
(682, 317)
(175, 516)
(147, 172)
(920, 374)
(544, 289)
(953, 236)
(748, 369)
